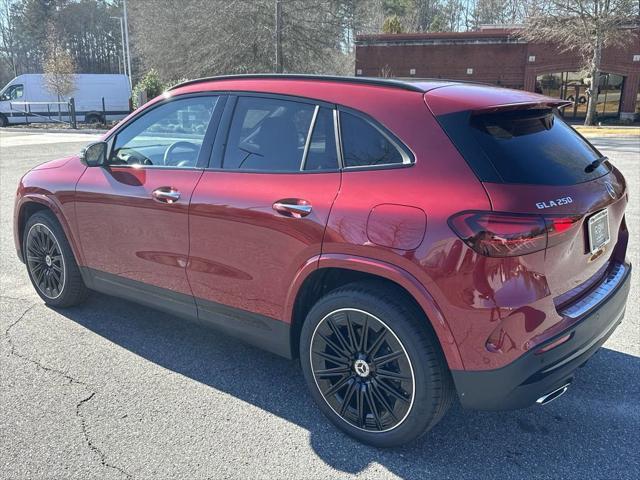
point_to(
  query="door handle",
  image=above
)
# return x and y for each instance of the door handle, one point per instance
(293, 207)
(166, 195)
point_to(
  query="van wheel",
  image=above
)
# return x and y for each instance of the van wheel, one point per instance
(373, 366)
(3, 121)
(93, 118)
(52, 268)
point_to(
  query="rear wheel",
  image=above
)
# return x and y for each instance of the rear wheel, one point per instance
(51, 265)
(3, 121)
(373, 366)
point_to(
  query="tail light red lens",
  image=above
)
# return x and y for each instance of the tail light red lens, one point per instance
(497, 234)
(559, 228)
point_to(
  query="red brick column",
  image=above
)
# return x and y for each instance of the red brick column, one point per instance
(530, 79)
(629, 95)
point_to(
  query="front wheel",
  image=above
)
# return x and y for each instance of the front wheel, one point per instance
(51, 265)
(374, 366)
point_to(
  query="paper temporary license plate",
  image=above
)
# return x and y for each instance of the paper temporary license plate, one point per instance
(598, 226)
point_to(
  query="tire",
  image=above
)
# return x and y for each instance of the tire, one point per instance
(93, 118)
(398, 418)
(52, 268)
(3, 121)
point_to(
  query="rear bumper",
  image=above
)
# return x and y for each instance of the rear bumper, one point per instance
(532, 375)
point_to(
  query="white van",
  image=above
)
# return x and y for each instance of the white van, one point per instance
(25, 99)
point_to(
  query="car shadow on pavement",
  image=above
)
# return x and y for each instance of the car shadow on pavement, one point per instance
(591, 432)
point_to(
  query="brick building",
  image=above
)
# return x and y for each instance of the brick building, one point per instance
(495, 55)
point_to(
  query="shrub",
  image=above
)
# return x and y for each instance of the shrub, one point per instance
(151, 85)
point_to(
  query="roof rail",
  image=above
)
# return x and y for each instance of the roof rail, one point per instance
(382, 82)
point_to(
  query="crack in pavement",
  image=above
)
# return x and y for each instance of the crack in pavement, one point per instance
(87, 437)
(71, 381)
(7, 297)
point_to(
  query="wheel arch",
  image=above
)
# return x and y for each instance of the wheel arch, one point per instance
(328, 272)
(32, 204)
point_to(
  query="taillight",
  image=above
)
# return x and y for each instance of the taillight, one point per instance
(498, 234)
(559, 228)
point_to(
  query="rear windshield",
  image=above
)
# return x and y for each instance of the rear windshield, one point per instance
(523, 146)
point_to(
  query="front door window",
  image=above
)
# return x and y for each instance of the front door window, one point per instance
(169, 135)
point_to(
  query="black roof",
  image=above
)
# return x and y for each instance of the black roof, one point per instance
(417, 85)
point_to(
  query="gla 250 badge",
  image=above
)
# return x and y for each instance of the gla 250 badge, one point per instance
(554, 203)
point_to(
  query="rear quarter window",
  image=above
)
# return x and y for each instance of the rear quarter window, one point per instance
(363, 144)
(523, 146)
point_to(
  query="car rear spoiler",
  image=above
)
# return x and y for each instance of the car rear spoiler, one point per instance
(551, 103)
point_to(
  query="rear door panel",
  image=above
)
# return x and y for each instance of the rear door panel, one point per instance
(243, 253)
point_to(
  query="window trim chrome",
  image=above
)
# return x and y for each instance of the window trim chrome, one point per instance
(307, 142)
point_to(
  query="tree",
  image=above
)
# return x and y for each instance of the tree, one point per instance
(585, 27)
(392, 25)
(243, 37)
(86, 30)
(59, 69)
(8, 36)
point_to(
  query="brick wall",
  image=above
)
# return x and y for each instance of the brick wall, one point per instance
(495, 56)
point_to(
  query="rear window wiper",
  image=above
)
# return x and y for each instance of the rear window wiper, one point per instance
(595, 164)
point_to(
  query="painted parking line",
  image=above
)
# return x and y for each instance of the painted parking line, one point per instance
(12, 140)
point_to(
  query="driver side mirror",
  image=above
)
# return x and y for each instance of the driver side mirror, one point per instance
(94, 154)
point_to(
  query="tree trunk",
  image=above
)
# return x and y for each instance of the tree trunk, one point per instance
(595, 81)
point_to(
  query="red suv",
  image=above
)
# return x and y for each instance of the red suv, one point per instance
(410, 241)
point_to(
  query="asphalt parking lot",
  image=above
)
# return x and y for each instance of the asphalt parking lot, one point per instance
(113, 390)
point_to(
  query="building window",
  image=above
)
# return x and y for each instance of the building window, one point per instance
(573, 86)
(359, 71)
(532, 58)
(412, 72)
(636, 58)
(469, 71)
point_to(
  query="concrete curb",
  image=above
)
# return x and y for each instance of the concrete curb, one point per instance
(88, 131)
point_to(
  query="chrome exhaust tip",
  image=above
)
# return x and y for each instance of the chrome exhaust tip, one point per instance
(551, 396)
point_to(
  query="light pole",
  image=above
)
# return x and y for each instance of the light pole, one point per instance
(126, 34)
(124, 55)
(279, 59)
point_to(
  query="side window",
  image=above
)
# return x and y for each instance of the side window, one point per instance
(363, 144)
(17, 92)
(170, 135)
(267, 134)
(322, 153)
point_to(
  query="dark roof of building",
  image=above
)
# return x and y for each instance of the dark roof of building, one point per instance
(479, 34)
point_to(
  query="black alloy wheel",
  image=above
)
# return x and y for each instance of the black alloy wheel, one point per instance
(362, 370)
(45, 261)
